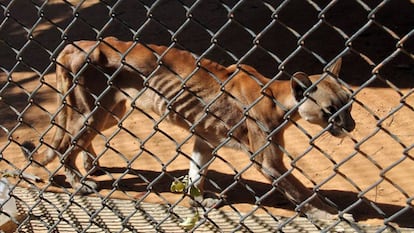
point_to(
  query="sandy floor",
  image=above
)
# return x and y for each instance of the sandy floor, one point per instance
(375, 165)
(374, 168)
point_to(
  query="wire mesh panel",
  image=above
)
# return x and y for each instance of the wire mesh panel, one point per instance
(156, 88)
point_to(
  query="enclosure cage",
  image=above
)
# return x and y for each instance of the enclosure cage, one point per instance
(141, 163)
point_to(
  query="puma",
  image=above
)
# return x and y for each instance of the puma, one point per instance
(232, 106)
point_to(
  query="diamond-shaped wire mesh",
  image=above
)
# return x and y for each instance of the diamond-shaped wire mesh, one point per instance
(367, 175)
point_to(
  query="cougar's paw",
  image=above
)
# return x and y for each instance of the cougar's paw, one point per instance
(208, 200)
(348, 217)
(87, 187)
(317, 214)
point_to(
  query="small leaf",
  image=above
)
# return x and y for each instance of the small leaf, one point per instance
(194, 191)
(190, 222)
(177, 186)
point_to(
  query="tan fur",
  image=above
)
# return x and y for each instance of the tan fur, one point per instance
(221, 105)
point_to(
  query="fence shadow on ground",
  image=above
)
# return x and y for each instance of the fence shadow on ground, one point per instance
(363, 211)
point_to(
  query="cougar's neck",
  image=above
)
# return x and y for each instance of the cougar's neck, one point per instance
(282, 92)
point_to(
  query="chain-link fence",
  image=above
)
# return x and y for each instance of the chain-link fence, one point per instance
(366, 178)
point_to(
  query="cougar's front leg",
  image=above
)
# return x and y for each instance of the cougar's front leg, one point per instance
(269, 160)
(271, 165)
(201, 156)
(73, 174)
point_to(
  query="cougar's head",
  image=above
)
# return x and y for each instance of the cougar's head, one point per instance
(326, 104)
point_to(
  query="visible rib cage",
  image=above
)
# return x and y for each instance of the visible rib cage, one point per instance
(187, 105)
(224, 106)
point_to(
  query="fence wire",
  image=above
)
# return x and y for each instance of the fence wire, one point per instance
(367, 175)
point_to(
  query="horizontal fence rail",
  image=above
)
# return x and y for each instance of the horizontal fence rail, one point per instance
(318, 136)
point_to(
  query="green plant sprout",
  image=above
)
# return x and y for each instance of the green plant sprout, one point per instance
(181, 185)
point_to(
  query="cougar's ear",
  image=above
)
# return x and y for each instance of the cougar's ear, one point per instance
(335, 68)
(300, 83)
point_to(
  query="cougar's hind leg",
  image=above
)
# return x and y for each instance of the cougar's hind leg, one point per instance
(90, 162)
(73, 175)
(103, 118)
(82, 136)
(201, 156)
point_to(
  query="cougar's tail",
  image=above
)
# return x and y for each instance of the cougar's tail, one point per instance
(27, 149)
(63, 83)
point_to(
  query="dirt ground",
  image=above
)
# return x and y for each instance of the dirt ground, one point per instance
(375, 166)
